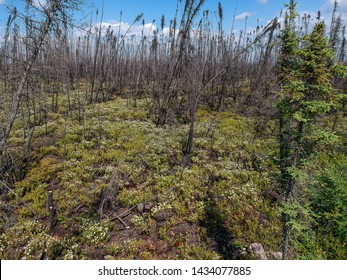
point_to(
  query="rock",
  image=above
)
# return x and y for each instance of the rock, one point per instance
(148, 206)
(276, 255)
(163, 215)
(257, 251)
(140, 207)
(181, 229)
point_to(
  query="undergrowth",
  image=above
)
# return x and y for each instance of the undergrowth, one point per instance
(210, 208)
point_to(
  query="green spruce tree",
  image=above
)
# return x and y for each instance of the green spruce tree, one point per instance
(307, 95)
(290, 87)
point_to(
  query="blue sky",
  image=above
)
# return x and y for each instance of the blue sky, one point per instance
(256, 11)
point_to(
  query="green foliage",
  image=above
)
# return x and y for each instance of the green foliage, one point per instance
(231, 169)
(144, 223)
(318, 218)
(308, 91)
(329, 202)
(307, 96)
(129, 249)
(95, 234)
(28, 240)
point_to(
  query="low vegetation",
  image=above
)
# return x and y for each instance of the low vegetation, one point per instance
(211, 207)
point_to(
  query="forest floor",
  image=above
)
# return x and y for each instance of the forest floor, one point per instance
(123, 189)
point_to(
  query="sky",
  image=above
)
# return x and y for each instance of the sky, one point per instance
(257, 12)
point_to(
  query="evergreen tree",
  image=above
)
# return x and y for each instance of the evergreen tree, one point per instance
(290, 86)
(307, 94)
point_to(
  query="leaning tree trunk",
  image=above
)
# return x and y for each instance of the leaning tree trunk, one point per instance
(46, 25)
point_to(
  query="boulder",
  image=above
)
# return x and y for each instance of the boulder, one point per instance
(163, 215)
(148, 206)
(257, 251)
(140, 207)
(276, 255)
(143, 207)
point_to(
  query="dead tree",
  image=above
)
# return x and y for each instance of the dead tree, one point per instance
(50, 14)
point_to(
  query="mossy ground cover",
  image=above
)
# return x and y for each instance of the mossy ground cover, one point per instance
(212, 207)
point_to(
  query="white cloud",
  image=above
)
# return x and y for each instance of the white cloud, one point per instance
(313, 15)
(262, 1)
(243, 16)
(126, 28)
(166, 31)
(39, 3)
(341, 3)
(327, 8)
(2, 2)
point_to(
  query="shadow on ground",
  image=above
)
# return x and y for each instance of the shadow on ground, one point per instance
(219, 233)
